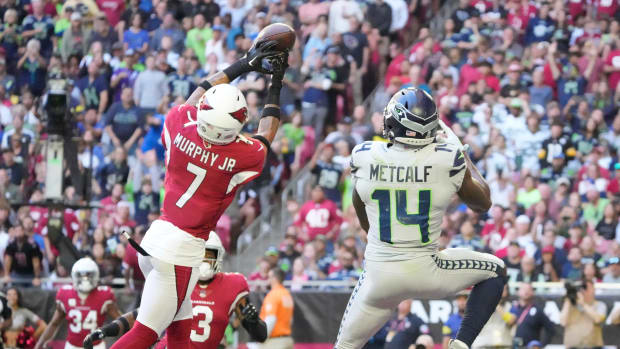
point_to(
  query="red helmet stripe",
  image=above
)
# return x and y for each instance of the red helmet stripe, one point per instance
(241, 115)
(205, 106)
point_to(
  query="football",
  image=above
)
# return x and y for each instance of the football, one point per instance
(280, 32)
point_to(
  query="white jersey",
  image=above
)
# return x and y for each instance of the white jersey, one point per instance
(406, 192)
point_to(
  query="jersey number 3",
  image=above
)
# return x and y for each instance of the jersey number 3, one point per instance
(204, 312)
(384, 201)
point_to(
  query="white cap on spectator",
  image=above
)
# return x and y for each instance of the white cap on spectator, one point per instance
(523, 219)
(514, 67)
(124, 204)
(563, 180)
(538, 109)
(76, 16)
(261, 15)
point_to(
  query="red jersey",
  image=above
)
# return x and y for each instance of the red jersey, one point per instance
(112, 9)
(201, 178)
(613, 60)
(318, 218)
(212, 305)
(71, 226)
(83, 316)
(576, 7)
(606, 8)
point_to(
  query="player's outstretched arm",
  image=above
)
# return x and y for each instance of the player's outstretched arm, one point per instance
(252, 61)
(270, 117)
(52, 328)
(248, 315)
(474, 191)
(115, 328)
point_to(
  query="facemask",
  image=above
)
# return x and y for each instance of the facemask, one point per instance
(205, 272)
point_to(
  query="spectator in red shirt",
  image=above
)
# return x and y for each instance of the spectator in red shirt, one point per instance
(394, 69)
(122, 218)
(108, 204)
(576, 7)
(520, 14)
(606, 8)
(495, 225)
(113, 9)
(612, 66)
(261, 274)
(469, 72)
(485, 69)
(318, 216)
(614, 184)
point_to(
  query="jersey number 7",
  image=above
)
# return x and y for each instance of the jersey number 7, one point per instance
(384, 201)
(200, 174)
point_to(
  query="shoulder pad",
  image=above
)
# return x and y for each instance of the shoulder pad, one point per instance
(361, 151)
(238, 278)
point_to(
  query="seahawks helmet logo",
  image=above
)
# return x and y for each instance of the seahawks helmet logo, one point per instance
(418, 124)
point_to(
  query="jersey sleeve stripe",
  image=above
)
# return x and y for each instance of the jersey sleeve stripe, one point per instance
(234, 304)
(167, 140)
(456, 171)
(105, 305)
(459, 159)
(240, 178)
(62, 305)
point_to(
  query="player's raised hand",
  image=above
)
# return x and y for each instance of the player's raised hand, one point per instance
(279, 64)
(260, 57)
(249, 313)
(92, 337)
(451, 137)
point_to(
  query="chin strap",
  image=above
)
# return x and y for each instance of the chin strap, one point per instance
(191, 121)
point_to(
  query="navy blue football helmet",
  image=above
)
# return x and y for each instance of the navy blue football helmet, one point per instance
(411, 117)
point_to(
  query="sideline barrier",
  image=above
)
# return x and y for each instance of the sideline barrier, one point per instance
(318, 312)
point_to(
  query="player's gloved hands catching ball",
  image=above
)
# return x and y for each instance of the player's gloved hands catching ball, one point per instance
(262, 57)
(451, 137)
(257, 59)
(279, 65)
(250, 314)
(94, 336)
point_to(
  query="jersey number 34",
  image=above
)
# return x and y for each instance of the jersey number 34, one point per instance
(384, 201)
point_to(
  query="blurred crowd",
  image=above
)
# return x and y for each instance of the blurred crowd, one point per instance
(533, 88)
(126, 63)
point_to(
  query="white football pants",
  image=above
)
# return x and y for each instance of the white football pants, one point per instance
(383, 285)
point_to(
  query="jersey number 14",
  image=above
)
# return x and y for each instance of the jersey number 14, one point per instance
(384, 201)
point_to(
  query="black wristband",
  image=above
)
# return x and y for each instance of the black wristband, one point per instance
(236, 69)
(262, 139)
(273, 95)
(257, 329)
(271, 111)
(112, 329)
(206, 85)
(125, 323)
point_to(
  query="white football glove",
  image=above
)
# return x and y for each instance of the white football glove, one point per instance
(452, 138)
